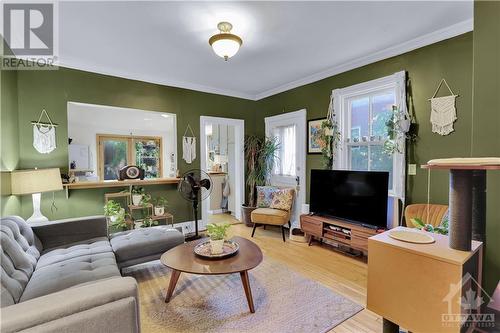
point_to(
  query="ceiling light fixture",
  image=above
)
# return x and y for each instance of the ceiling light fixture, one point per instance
(225, 44)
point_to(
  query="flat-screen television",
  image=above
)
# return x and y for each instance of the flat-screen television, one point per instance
(356, 196)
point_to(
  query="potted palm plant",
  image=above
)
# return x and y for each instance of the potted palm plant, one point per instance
(217, 234)
(260, 155)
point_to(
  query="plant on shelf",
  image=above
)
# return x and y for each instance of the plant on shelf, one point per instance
(137, 194)
(116, 214)
(217, 234)
(441, 229)
(329, 140)
(159, 205)
(148, 222)
(260, 155)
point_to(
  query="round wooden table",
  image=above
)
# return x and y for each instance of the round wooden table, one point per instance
(183, 259)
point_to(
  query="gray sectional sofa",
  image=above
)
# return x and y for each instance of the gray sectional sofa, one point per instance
(65, 276)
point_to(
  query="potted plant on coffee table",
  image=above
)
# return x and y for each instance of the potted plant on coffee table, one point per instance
(260, 154)
(217, 234)
(159, 205)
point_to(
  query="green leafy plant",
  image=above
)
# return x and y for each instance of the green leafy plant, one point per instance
(137, 190)
(329, 140)
(146, 200)
(160, 201)
(217, 231)
(148, 222)
(421, 225)
(112, 208)
(260, 156)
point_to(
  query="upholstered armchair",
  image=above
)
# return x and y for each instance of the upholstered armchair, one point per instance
(434, 214)
(275, 207)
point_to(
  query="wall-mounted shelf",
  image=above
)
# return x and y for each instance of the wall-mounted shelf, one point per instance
(118, 183)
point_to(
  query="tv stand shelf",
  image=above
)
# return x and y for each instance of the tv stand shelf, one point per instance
(352, 235)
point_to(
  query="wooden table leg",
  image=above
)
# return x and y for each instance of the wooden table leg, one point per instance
(248, 291)
(171, 286)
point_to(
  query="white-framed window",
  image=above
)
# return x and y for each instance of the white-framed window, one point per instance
(362, 111)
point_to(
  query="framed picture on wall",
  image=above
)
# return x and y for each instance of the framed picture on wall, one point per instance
(313, 135)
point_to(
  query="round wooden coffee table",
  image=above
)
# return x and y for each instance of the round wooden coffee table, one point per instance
(182, 259)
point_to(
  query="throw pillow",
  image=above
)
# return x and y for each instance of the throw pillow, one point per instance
(265, 196)
(282, 199)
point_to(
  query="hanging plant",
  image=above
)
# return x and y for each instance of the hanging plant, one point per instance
(329, 140)
(397, 131)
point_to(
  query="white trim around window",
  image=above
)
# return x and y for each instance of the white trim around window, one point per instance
(395, 82)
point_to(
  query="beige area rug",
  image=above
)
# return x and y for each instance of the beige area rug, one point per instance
(284, 302)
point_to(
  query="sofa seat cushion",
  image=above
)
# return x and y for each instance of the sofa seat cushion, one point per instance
(69, 273)
(74, 250)
(145, 242)
(270, 216)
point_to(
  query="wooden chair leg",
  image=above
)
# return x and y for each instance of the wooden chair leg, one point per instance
(264, 226)
(283, 232)
(254, 226)
(290, 224)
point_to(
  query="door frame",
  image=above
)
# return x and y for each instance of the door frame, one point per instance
(299, 117)
(239, 142)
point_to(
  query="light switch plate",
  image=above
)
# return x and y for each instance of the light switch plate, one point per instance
(412, 169)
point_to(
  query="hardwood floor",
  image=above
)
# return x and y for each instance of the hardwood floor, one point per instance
(341, 273)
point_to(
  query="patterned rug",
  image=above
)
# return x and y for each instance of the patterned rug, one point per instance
(284, 302)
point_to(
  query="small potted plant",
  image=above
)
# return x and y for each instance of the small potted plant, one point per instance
(217, 234)
(160, 203)
(148, 222)
(137, 194)
(113, 210)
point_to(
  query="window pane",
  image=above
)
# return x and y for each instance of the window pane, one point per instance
(285, 163)
(380, 161)
(358, 157)
(147, 156)
(359, 118)
(115, 158)
(381, 112)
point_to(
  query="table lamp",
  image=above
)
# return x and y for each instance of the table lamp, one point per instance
(35, 182)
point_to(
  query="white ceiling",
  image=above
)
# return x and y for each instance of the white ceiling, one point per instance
(285, 44)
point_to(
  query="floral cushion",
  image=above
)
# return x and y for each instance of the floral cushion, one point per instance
(282, 199)
(265, 196)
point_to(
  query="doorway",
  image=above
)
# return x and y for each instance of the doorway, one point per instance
(221, 154)
(290, 169)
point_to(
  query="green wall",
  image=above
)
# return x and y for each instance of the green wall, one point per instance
(9, 143)
(53, 89)
(485, 138)
(450, 59)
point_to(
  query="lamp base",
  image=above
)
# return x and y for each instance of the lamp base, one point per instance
(37, 216)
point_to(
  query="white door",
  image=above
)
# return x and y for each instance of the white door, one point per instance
(290, 169)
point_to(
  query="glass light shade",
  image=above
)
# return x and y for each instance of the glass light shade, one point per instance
(36, 181)
(225, 48)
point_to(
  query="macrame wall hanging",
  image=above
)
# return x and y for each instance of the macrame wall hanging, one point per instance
(44, 134)
(443, 111)
(189, 146)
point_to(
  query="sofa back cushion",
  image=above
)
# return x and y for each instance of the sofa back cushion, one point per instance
(20, 250)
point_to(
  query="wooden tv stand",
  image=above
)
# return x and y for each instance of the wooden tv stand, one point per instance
(353, 236)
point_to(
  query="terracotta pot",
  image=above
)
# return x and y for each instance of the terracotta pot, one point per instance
(216, 246)
(246, 215)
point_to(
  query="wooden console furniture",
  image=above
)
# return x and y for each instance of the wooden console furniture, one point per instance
(343, 233)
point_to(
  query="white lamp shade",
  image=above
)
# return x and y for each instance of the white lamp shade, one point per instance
(226, 48)
(36, 181)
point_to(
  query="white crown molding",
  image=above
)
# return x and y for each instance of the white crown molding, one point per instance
(73, 64)
(431, 38)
